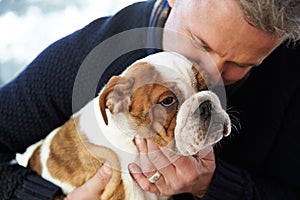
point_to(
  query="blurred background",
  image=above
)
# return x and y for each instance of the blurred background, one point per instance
(29, 26)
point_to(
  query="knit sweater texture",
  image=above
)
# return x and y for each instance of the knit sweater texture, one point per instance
(258, 161)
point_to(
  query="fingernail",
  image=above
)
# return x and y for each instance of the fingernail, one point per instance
(132, 168)
(138, 140)
(106, 168)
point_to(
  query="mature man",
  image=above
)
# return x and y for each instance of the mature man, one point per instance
(257, 162)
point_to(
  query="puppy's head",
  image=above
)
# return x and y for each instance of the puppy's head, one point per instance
(163, 98)
(146, 101)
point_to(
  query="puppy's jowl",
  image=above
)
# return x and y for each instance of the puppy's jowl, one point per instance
(162, 97)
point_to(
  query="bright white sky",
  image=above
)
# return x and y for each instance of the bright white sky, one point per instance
(24, 36)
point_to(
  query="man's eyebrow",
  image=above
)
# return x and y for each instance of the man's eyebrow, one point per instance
(208, 47)
(203, 43)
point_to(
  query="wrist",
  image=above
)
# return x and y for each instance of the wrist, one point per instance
(199, 190)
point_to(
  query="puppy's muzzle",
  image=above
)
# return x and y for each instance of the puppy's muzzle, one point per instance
(201, 122)
(206, 110)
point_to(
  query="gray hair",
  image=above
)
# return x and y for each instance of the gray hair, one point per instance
(279, 17)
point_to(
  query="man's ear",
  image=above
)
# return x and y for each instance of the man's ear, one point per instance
(116, 96)
(172, 3)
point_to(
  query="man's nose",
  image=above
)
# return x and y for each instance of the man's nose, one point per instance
(218, 62)
(215, 68)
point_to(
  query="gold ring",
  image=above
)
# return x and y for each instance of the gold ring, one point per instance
(155, 177)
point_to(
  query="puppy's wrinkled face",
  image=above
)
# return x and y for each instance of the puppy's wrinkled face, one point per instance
(149, 102)
(201, 122)
(162, 105)
(154, 115)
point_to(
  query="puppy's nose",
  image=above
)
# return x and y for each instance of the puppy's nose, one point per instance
(204, 109)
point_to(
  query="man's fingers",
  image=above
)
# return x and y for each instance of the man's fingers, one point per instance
(94, 187)
(141, 179)
(157, 157)
(141, 145)
(100, 179)
(146, 165)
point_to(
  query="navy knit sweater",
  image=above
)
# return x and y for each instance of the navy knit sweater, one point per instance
(259, 161)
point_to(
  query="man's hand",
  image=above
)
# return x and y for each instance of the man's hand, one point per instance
(94, 187)
(179, 174)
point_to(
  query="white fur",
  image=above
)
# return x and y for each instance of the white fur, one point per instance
(23, 159)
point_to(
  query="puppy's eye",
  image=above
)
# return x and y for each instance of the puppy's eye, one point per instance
(168, 101)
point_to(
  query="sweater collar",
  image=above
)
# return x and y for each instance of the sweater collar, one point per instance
(159, 15)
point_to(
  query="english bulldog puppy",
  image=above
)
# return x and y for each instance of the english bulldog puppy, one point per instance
(162, 98)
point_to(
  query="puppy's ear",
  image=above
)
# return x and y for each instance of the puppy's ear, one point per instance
(200, 78)
(116, 95)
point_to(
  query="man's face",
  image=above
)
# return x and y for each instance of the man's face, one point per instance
(214, 34)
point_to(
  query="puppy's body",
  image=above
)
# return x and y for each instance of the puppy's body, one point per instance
(145, 100)
(73, 153)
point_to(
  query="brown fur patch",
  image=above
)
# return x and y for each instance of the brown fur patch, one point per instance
(147, 111)
(74, 160)
(69, 161)
(118, 88)
(118, 194)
